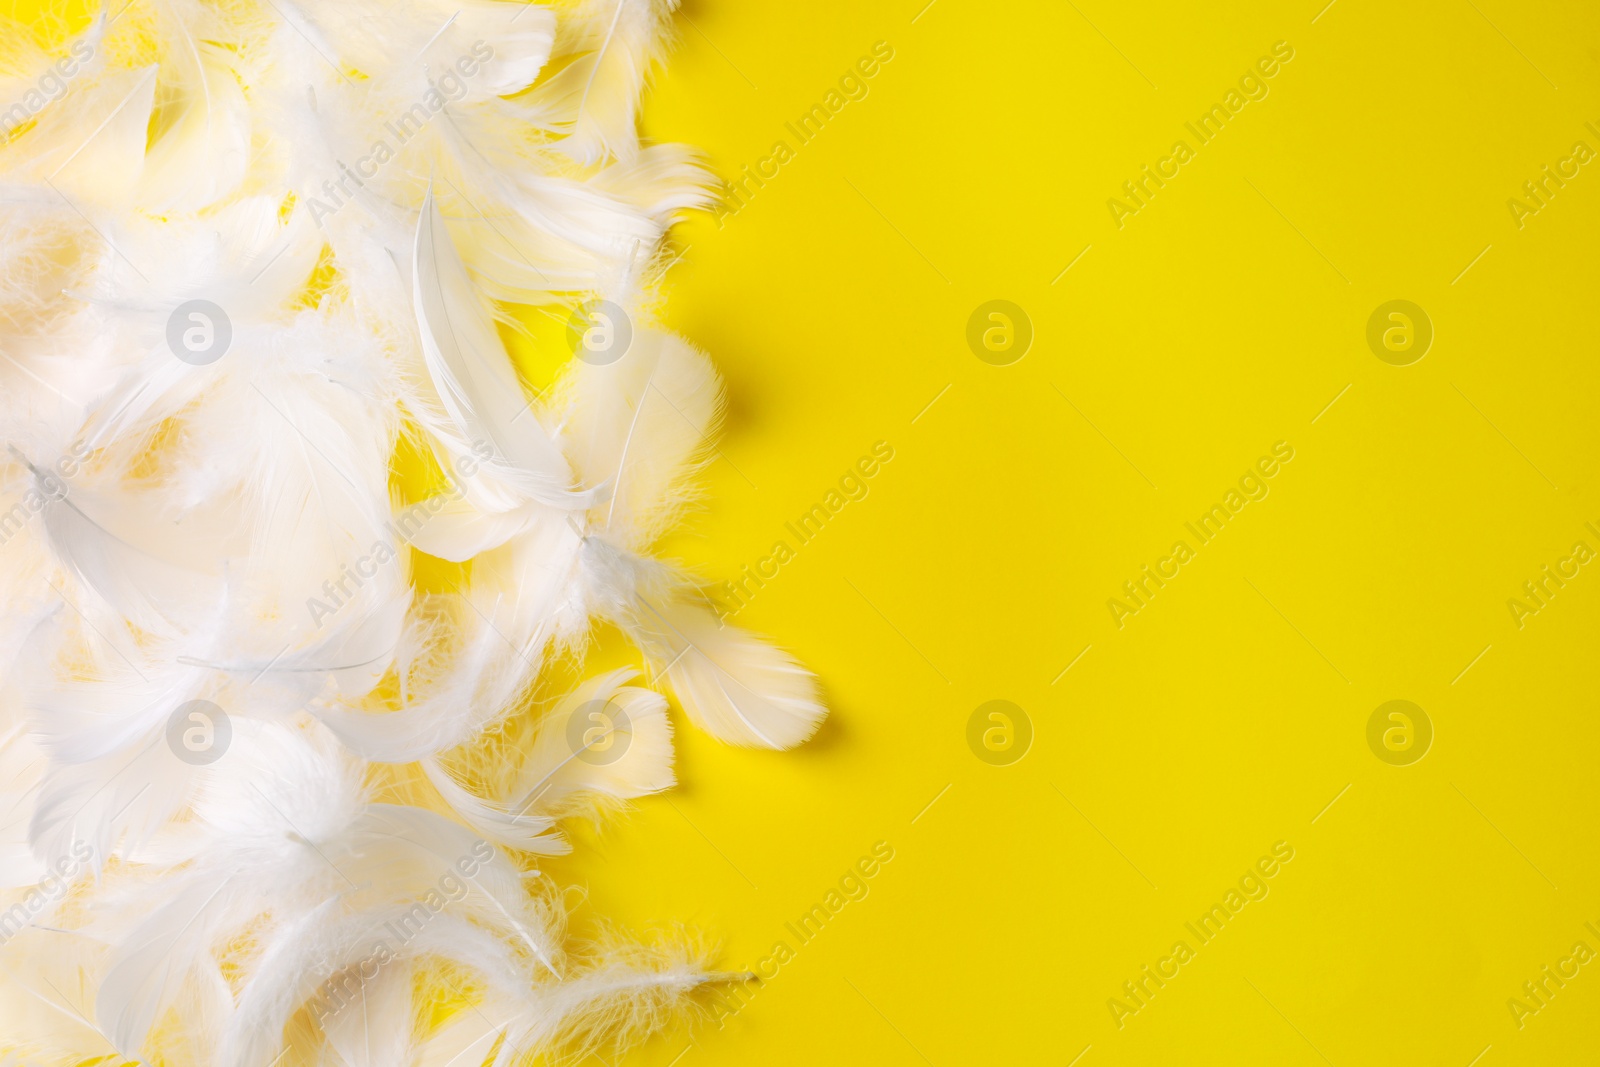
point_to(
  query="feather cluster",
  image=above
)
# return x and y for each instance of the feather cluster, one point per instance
(294, 557)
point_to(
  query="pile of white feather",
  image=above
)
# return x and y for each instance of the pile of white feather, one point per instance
(268, 797)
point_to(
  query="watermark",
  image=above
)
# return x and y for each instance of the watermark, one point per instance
(1542, 588)
(999, 333)
(1399, 332)
(999, 733)
(47, 485)
(851, 887)
(51, 888)
(852, 486)
(1252, 86)
(344, 988)
(51, 86)
(199, 332)
(341, 590)
(599, 332)
(852, 86)
(1541, 190)
(599, 732)
(1252, 886)
(1399, 733)
(199, 732)
(1252, 486)
(447, 87)
(1540, 991)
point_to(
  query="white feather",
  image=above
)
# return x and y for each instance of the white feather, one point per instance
(602, 739)
(638, 426)
(475, 379)
(244, 532)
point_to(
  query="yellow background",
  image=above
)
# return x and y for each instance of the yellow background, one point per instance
(1229, 713)
(1222, 318)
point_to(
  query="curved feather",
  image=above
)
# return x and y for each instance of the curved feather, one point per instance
(201, 155)
(604, 738)
(640, 426)
(732, 683)
(474, 377)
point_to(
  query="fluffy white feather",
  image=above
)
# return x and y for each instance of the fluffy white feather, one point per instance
(355, 187)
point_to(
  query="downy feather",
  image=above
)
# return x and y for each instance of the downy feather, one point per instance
(358, 187)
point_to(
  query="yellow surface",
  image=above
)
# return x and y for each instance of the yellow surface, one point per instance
(1226, 715)
(1172, 753)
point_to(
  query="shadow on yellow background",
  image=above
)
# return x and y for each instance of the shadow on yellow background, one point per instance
(1177, 340)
